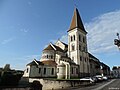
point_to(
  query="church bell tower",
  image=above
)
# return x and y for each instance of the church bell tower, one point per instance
(77, 44)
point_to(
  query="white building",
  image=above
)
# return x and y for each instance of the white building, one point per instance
(116, 71)
(61, 60)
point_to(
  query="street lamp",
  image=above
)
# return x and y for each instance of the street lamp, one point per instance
(117, 41)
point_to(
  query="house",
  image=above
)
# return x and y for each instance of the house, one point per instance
(95, 68)
(105, 69)
(116, 71)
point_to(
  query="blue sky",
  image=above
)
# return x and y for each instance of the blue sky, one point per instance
(27, 26)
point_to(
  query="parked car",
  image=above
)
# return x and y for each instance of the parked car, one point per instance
(105, 78)
(95, 79)
(87, 79)
(100, 78)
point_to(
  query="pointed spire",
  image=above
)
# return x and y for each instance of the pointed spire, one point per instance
(76, 21)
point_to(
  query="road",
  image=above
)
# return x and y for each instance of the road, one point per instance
(113, 84)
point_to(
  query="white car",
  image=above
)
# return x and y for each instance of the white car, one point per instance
(105, 78)
(87, 79)
(100, 78)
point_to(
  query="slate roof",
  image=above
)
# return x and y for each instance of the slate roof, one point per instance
(58, 48)
(49, 62)
(76, 21)
(49, 47)
(91, 56)
(35, 62)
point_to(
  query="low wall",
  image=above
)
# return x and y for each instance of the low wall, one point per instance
(51, 84)
(15, 88)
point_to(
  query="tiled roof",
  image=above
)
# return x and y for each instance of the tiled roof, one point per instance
(49, 47)
(49, 62)
(91, 56)
(35, 62)
(58, 48)
(53, 47)
(76, 21)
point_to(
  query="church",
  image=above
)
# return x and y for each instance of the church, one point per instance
(61, 60)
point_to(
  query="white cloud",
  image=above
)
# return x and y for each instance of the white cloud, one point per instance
(102, 32)
(7, 40)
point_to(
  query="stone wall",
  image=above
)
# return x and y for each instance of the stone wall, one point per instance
(51, 84)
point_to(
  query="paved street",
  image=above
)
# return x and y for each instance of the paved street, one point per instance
(113, 84)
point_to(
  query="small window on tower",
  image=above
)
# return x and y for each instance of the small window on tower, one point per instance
(84, 39)
(80, 58)
(74, 37)
(27, 70)
(79, 38)
(71, 38)
(79, 47)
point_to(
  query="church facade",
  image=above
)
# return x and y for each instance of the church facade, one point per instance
(64, 61)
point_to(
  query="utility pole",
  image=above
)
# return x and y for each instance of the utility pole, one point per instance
(117, 41)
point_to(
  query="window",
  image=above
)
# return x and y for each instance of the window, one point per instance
(84, 39)
(79, 38)
(58, 70)
(52, 72)
(76, 70)
(73, 47)
(27, 70)
(71, 39)
(39, 70)
(79, 47)
(51, 56)
(44, 70)
(74, 37)
(84, 49)
(72, 70)
(47, 56)
(80, 58)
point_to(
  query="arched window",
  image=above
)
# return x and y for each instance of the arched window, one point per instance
(84, 49)
(72, 70)
(84, 39)
(47, 56)
(44, 71)
(71, 38)
(79, 47)
(79, 38)
(74, 37)
(52, 72)
(80, 58)
(51, 56)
